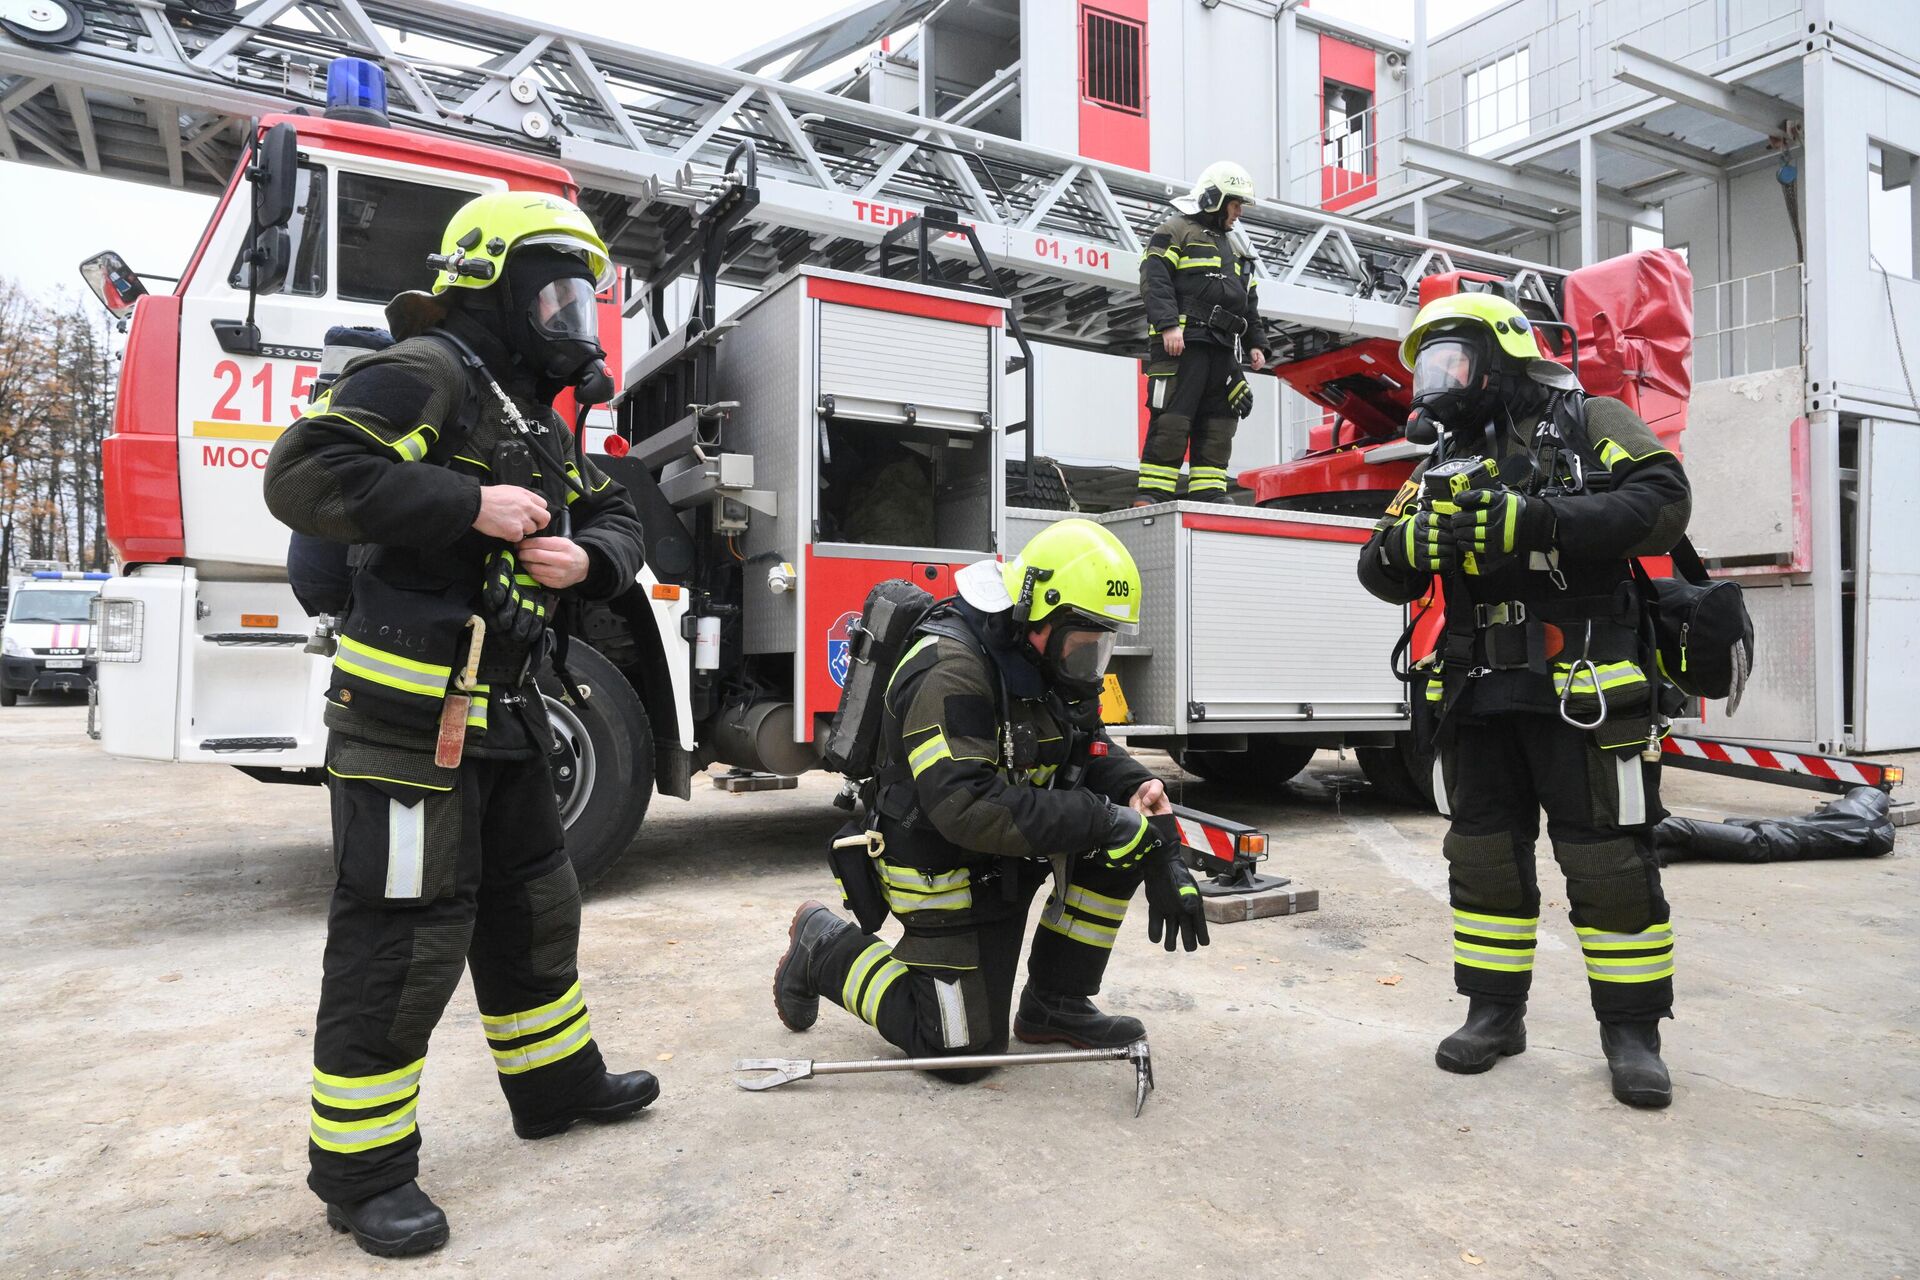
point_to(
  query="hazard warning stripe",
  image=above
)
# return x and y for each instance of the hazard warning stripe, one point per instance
(1205, 839)
(1863, 773)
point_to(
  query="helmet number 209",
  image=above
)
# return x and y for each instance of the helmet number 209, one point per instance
(1118, 588)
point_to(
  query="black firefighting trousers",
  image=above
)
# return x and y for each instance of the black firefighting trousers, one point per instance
(948, 988)
(1496, 777)
(1187, 404)
(437, 870)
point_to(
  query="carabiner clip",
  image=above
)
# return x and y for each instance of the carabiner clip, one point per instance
(1573, 676)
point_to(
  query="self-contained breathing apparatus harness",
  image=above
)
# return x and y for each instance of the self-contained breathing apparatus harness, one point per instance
(1515, 635)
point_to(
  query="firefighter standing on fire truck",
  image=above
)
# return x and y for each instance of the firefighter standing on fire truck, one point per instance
(1528, 512)
(473, 507)
(1203, 316)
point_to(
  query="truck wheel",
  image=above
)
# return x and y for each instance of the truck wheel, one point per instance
(1402, 774)
(8, 696)
(1269, 762)
(602, 762)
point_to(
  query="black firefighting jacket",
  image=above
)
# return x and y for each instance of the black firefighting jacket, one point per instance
(393, 459)
(1191, 267)
(1636, 502)
(982, 761)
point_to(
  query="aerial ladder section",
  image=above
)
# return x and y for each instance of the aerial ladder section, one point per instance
(160, 91)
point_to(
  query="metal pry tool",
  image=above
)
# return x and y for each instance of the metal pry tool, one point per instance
(788, 1070)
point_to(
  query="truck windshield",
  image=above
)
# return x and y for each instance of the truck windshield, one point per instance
(41, 605)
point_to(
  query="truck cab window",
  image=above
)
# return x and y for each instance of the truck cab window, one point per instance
(387, 229)
(307, 230)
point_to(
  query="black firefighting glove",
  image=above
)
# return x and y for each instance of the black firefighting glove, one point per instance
(1129, 838)
(1500, 522)
(1173, 900)
(1239, 394)
(1420, 542)
(514, 604)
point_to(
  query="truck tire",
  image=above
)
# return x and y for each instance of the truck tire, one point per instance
(603, 763)
(8, 696)
(1270, 761)
(1401, 774)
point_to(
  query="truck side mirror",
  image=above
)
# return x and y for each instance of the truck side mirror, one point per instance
(269, 258)
(113, 282)
(275, 176)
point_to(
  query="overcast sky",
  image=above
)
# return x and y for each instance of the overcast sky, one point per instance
(49, 219)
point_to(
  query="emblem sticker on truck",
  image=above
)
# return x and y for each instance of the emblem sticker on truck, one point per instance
(840, 647)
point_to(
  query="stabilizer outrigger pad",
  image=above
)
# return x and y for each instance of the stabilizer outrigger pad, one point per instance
(788, 1070)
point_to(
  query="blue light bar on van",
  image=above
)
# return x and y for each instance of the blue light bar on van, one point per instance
(70, 576)
(356, 91)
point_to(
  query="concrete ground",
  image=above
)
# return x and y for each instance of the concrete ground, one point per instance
(164, 930)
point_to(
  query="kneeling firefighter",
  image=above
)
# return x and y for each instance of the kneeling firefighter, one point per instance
(471, 509)
(1545, 691)
(992, 763)
(1203, 316)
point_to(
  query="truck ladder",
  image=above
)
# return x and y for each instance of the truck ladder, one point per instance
(162, 93)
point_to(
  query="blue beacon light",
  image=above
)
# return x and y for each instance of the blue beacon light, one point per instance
(356, 91)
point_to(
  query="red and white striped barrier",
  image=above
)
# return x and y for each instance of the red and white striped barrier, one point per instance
(1820, 773)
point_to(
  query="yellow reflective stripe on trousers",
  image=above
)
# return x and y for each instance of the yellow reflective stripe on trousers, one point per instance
(1605, 964)
(1496, 926)
(857, 975)
(357, 1093)
(1096, 904)
(1094, 935)
(888, 974)
(1507, 959)
(511, 1026)
(391, 669)
(562, 1044)
(929, 753)
(348, 1136)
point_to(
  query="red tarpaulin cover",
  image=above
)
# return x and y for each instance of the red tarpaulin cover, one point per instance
(1634, 319)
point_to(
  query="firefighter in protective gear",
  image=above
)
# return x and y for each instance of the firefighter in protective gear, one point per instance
(1203, 318)
(442, 461)
(1542, 694)
(994, 764)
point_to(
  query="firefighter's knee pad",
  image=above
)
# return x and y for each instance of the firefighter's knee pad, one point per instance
(1484, 872)
(1167, 438)
(950, 991)
(1213, 439)
(1610, 884)
(553, 926)
(433, 971)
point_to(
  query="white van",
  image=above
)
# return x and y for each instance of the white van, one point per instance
(48, 630)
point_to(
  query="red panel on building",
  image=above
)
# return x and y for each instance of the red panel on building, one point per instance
(1113, 82)
(1349, 172)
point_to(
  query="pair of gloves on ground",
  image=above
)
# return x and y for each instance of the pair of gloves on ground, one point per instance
(1478, 522)
(1173, 900)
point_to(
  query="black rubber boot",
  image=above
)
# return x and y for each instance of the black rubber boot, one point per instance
(1493, 1030)
(1640, 1079)
(1045, 1018)
(611, 1097)
(394, 1224)
(795, 997)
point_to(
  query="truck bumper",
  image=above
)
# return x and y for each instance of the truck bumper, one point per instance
(32, 675)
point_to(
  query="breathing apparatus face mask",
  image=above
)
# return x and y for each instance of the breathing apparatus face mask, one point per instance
(555, 321)
(1076, 659)
(1454, 385)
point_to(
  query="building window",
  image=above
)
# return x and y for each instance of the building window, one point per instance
(1891, 196)
(1348, 140)
(1110, 62)
(1499, 103)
